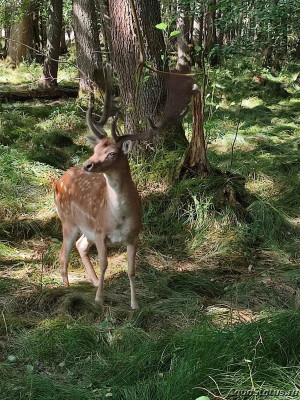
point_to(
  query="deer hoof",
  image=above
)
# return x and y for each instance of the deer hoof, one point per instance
(99, 301)
(135, 306)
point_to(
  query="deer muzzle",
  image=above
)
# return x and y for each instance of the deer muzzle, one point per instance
(88, 166)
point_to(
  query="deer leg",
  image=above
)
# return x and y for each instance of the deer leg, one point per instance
(131, 252)
(102, 252)
(83, 246)
(69, 236)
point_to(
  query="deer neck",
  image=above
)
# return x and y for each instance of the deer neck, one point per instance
(118, 191)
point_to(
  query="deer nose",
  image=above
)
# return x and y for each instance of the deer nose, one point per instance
(88, 166)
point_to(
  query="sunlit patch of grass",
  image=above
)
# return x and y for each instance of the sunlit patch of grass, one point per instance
(224, 144)
(252, 102)
(24, 73)
(23, 184)
(16, 78)
(263, 185)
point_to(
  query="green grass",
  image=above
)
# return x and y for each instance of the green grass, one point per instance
(130, 364)
(218, 266)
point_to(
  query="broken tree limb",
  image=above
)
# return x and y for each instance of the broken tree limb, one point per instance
(40, 93)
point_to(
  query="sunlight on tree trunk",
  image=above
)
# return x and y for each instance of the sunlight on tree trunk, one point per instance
(21, 35)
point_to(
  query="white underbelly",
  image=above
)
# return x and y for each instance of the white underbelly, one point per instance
(118, 235)
(90, 235)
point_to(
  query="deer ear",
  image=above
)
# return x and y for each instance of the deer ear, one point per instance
(127, 146)
(93, 140)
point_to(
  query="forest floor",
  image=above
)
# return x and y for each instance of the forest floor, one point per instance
(218, 276)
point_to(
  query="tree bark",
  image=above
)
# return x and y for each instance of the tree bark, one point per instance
(63, 43)
(21, 35)
(125, 50)
(195, 162)
(49, 75)
(183, 40)
(210, 36)
(106, 28)
(88, 51)
(197, 39)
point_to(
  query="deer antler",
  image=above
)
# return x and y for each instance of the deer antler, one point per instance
(180, 91)
(180, 88)
(97, 127)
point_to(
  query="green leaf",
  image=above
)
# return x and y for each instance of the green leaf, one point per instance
(197, 48)
(202, 398)
(162, 26)
(174, 33)
(11, 358)
(29, 368)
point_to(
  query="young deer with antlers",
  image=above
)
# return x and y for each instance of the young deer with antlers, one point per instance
(100, 199)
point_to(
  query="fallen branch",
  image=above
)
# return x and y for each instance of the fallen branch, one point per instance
(45, 94)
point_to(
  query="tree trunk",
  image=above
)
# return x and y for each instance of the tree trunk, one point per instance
(36, 30)
(63, 43)
(49, 75)
(106, 28)
(125, 50)
(21, 35)
(88, 51)
(197, 39)
(210, 37)
(43, 31)
(183, 41)
(195, 162)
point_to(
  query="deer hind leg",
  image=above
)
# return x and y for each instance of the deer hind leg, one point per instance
(131, 252)
(69, 236)
(102, 252)
(83, 246)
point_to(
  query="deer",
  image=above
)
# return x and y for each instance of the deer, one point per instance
(99, 199)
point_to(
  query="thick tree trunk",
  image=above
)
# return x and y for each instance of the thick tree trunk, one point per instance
(21, 35)
(49, 75)
(88, 52)
(125, 50)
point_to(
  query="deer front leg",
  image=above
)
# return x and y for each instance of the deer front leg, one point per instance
(69, 236)
(131, 252)
(102, 252)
